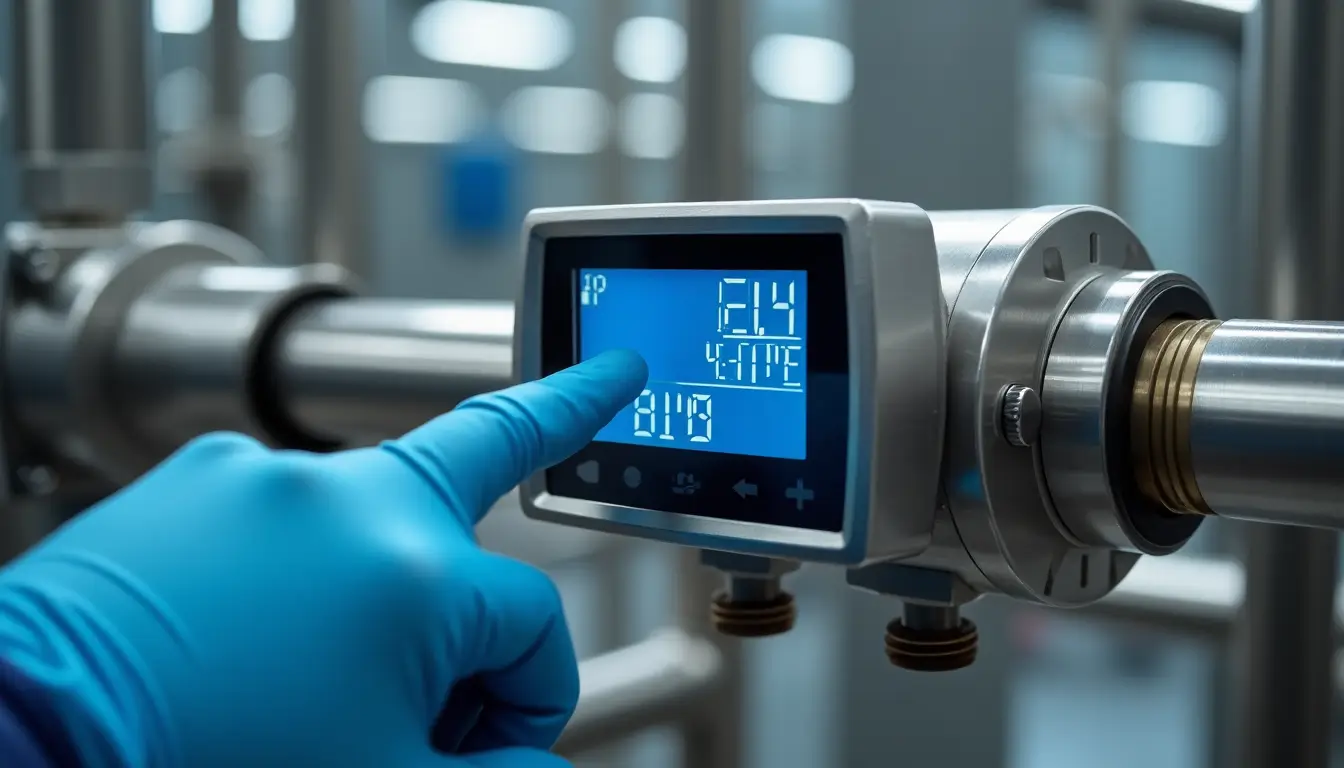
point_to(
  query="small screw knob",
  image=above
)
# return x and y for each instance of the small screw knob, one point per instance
(1020, 415)
(39, 480)
(36, 266)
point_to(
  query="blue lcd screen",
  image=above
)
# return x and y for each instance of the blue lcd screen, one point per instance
(727, 356)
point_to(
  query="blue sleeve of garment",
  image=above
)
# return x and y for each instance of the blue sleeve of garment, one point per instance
(30, 733)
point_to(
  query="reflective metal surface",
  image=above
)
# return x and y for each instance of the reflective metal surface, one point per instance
(645, 685)
(360, 370)
(329, 140)
(1267, 428)
(194, 352)
(962, 236)
(82, 107)
(1006, 313)
(219, 156)
(1294, 192)
(59, 348)
(1085, 435)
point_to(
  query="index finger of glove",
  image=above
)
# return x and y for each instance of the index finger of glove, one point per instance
(488, 444)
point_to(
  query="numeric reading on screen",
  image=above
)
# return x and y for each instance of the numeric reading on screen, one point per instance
(726, 354)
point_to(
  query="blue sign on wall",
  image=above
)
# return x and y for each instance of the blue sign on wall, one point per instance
(477, 183)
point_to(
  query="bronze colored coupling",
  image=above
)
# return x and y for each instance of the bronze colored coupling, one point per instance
(930, 649)
(753, 618)
(1162, 407)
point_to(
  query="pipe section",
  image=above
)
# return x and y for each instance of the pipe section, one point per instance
(81, 105)
(360, 370)
(195, 352)
(662, 680)
(1244, 420)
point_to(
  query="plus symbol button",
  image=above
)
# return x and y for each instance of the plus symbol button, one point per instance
(800, 494)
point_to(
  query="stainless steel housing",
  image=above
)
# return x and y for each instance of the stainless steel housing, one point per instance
(896, 317)
(1026, 269)
(145, 337)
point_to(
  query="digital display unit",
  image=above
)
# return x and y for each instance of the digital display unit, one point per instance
(726, 350)
(716, 433)
(797, 360)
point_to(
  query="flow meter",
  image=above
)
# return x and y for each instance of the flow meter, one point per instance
(796, 355)
(900, 393)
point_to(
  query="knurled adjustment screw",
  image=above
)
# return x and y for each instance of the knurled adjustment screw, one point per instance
(930, 649)
(753, 618)
(1020, 415)
(35, 266)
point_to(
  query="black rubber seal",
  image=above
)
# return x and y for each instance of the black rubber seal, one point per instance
(264, 383)
(1156, 530)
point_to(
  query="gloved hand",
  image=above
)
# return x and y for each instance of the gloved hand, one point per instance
(242, 607)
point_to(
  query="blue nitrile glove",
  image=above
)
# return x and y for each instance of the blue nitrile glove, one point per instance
(242, 607)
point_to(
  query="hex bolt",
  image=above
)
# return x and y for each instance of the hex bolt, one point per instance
(1020, 416)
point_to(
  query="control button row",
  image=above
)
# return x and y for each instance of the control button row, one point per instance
(686, 483)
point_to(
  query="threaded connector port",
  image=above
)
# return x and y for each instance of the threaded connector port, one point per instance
(753, 618)
(932, 638)
(932, 650)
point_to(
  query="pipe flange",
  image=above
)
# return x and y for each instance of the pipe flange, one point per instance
(1009, 306)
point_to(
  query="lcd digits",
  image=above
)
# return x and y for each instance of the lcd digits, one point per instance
(726, 353)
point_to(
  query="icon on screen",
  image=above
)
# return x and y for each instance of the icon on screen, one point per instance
(633, 477)
(686, 485)
(589, 472)
(593, 286)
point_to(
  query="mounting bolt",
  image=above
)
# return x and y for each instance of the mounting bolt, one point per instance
(1020, 415)
(38, 480)
(35, 265)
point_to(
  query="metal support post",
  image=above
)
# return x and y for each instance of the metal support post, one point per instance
(221, 160)
(1294, 188)
(712, 734)
(612, 159)
(1115, 23)
(714, 168)
(715, 163)
(81, 107)
(328, 138)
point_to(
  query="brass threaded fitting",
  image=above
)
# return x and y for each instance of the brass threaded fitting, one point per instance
(1161, 411)
(932, 650)
(743, 618)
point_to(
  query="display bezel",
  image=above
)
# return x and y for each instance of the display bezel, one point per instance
(845, 218)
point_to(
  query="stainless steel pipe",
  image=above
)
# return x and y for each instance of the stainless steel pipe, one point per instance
(1267, 423)
(656, 682)
(81, 108)
(1244, 419)
(195, 352)
(355, 371)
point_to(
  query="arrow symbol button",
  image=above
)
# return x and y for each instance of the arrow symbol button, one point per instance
(745, 489)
